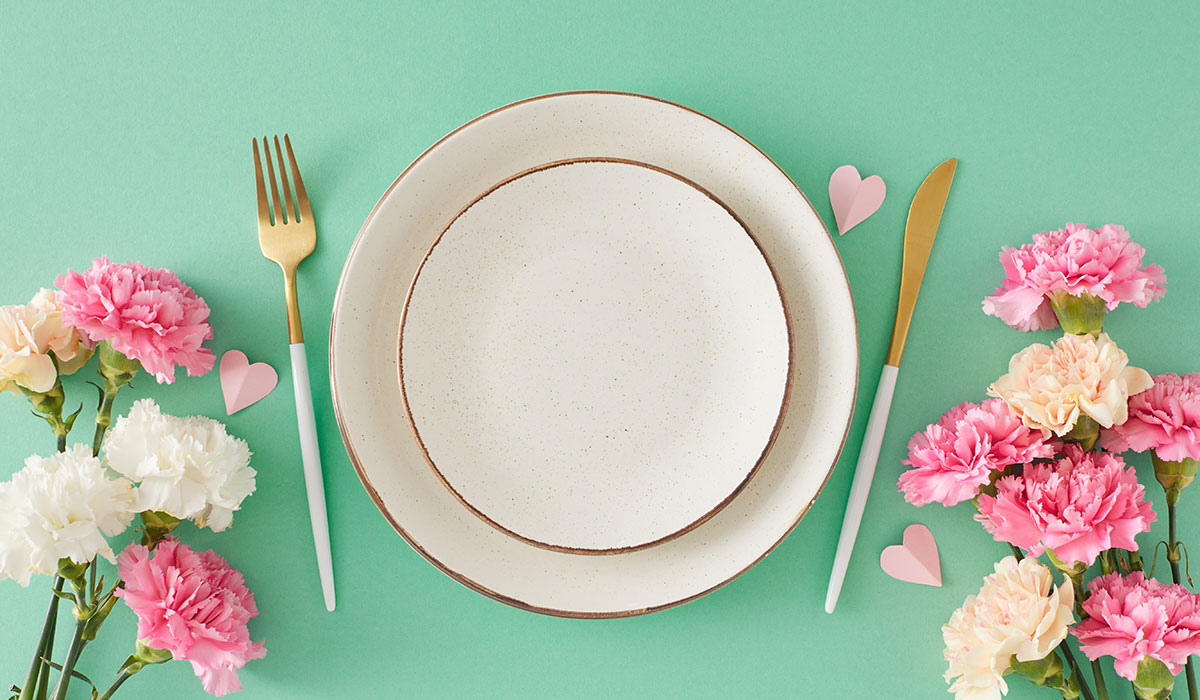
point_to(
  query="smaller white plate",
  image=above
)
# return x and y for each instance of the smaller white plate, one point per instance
(595, 356)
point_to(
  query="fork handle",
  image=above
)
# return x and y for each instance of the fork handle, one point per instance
(314, 482)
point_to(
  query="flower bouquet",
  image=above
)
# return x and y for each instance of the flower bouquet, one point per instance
(1041, 463)
(57, 513)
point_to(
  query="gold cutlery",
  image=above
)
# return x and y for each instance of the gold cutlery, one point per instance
(287, 235)
(924, 215)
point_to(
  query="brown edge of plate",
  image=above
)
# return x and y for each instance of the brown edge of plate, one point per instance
(783, 404)
(464, 580)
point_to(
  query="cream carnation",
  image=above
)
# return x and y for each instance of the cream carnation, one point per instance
(1017, 613)
(29, 333)
(1051, 386)
(59, 507)
(185, 467)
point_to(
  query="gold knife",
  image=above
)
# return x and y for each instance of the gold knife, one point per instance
(923, 218)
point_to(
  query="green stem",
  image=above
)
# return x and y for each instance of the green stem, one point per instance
(125, 675)
(1173, 559)
(1016, 552)
(1106, 562)
(43, 684)
(62, 443)
(103, 418)
(73, 652)
(1074, 665)
(1097, 672)
(35, 666)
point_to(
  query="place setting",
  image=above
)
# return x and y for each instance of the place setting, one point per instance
(595, 355)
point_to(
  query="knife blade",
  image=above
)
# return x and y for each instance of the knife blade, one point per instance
(924, 217)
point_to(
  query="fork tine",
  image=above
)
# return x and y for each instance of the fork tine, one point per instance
(287, 193)
(305, 212)
(279, 219)
(264, 210)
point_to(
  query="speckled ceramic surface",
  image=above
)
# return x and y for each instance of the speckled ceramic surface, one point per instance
(394, 241)
(595, 356)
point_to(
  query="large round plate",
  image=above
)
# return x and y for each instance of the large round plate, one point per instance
(385, 258)
(595, 356)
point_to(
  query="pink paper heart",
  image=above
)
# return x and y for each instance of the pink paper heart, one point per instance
(915, 561)
(853, 198)
(243, 383)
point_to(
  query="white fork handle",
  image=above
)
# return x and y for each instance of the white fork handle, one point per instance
(868, 456)
(314, 482)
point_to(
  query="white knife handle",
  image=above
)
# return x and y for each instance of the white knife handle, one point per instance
(314, 482)
(861, 487)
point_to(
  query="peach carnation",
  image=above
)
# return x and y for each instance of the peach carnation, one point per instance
(1051, 386)
(1018, 612)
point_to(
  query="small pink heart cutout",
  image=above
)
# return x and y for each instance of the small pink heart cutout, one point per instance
(243, 383)
(853, 198)
(915, 561)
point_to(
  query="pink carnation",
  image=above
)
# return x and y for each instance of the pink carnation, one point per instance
(195, 606)
(1164, 418)
(952, 458)
(1076, 260)
(1132, 617)
(1077, 507)
(146, 313)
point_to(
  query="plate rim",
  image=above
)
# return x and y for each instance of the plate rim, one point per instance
(471, 583)
(783, 403)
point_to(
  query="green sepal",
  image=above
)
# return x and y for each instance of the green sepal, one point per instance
(1078, 314)
(1154, 680)
(144, 656)
(117, 369)
(1174, 476)
(93, 624)
(158, 525)
(1085, 433)
(69, 422)
(71, 571)
(1046, 672)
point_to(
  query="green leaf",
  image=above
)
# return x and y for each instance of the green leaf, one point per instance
(93, 624)
(69, 597)
(74, 674)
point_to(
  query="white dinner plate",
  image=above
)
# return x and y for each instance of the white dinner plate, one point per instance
(594, 356)
(395, 240)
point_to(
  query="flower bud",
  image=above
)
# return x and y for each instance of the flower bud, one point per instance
(1174, 476)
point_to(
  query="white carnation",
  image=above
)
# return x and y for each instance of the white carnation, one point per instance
(59, 507)
(185, 467)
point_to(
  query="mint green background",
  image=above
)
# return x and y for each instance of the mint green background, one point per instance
(125, 129)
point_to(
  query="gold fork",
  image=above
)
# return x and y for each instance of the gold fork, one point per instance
(287, 237)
